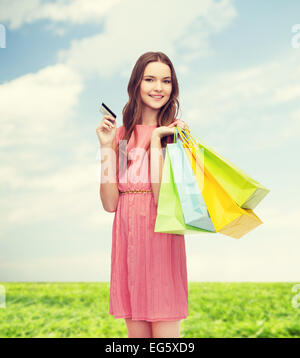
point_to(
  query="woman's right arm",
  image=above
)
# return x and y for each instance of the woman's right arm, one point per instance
(109, 192)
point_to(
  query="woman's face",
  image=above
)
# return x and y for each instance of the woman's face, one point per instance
(156, 81)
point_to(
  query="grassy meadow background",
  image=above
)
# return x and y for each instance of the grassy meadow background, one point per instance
(216, 309)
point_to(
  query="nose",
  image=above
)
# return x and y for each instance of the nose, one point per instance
(158, 86)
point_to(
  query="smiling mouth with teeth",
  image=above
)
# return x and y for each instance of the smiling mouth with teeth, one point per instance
(158, 97)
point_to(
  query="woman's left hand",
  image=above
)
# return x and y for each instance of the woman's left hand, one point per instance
(179, 123)
(163, 131)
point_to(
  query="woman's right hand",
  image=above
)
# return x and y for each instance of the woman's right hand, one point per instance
(106, 130)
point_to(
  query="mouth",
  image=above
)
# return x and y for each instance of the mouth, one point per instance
(156, 98)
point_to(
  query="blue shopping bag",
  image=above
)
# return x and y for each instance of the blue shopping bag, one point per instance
(192, 203)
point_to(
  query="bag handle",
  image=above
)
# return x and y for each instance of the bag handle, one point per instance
(192, 141)
(186, 135)
(181, 135)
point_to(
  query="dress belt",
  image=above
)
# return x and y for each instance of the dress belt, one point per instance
(135, 191)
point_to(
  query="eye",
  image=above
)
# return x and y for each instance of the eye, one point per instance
(150, 79)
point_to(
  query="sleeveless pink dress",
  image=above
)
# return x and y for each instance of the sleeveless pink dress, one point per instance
(148, 269)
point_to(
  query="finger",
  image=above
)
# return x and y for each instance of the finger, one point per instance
(173, 124)
(110, 119)
(106, 121)
(180, 125)
(107, 126)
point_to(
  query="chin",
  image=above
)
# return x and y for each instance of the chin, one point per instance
(157, 105)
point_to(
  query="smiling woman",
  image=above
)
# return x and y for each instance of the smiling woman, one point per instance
(148, 287)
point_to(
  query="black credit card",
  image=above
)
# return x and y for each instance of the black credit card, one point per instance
(106, 111)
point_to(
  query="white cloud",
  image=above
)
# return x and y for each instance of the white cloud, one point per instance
(267, 253)
(292, 127)
(281, 215)
(64, 194)
(36, 122)
(84, 267)
(268, 84)
(287, 93)
(18, 13)
(241, 266)
(36, 105)
(76, 11)
(248, 104)
(134, 27)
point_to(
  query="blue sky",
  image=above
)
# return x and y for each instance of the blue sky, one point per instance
(239, 81)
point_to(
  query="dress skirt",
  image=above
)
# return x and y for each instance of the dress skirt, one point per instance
(148, 269)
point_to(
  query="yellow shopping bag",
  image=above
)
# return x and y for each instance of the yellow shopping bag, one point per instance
(227, 217)
(244, 190)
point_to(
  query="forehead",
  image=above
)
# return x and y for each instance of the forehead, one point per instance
(157, 69)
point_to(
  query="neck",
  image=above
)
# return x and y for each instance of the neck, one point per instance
(149, 116)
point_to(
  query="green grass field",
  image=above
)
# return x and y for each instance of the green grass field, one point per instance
(216, 309)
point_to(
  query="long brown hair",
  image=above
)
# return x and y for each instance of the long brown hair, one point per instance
(132, 111)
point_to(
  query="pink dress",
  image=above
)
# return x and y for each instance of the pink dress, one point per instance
(148, 269)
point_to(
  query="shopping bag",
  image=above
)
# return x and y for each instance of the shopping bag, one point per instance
(243, 189)
(191, 200)
(170, 217)
(227, 217)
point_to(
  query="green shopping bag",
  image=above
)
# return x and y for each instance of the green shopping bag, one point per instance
(170, 217)
(243, 189)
